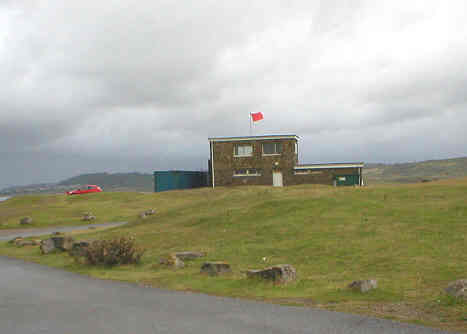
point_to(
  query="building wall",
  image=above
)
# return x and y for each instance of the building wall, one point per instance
(321, 176)
(225, 162)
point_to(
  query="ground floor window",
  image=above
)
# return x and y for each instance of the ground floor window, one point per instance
(247, 172)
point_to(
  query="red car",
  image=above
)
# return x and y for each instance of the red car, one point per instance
(91, 188)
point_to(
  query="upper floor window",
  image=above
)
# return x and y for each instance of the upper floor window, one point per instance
(272, 148)
(243, 150)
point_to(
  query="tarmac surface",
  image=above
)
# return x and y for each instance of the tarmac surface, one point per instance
(36, 299)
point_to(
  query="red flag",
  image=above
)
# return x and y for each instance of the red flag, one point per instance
(257, 116)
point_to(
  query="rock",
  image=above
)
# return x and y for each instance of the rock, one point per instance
(15, 240)
(279, 274)
(22, 243)
(56, 243)
(142, 215)
(172, 261)
(184, 256)
(25, 221)
(364, 285)
(150, 212)
(79, 248)
(457, 289)
(88, 216)
(215, 268)
(92, 227)
(57, 233)
(47, 246)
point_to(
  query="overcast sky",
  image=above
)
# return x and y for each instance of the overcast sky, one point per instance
(120, 86)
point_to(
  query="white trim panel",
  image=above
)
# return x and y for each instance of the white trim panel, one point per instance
(329, 166)
(253, 138)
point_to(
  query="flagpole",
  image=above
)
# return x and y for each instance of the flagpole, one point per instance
(251, 122)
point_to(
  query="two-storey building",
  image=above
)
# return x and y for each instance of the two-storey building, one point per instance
(272, 160)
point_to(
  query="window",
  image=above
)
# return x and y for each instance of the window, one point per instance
(243, 150)
(272, 148)
(247, 172)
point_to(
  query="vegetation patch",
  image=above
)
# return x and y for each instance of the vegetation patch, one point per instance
(410, 238)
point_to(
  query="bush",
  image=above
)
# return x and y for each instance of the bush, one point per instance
(113, 252)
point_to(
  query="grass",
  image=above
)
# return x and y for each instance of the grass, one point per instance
(411, 238)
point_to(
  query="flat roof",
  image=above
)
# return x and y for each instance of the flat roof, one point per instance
(249, 138)
(331, 165)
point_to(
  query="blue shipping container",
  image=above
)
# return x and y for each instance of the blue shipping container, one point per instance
(179, 179)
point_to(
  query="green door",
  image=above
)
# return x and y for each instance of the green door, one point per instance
(347, 180)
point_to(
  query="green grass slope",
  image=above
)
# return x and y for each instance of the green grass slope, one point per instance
(411, 238)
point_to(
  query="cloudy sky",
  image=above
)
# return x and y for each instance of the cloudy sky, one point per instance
(119, 86)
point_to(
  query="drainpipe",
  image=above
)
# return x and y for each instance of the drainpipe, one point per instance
(212, 163)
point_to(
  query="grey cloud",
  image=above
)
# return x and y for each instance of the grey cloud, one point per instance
(147, 82)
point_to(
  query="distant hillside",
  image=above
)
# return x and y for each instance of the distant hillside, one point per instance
(136, 181)
(108, 181)
(415, 171)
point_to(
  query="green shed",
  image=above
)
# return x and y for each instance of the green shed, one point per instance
(179, 179)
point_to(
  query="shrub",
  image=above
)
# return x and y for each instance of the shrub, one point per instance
(113, 252)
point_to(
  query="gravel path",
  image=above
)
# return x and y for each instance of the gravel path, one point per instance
(31, 232)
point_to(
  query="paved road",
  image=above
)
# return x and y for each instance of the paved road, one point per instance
(38, 299)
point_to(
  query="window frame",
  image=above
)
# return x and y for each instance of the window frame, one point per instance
(235, 152)
(275, 148)
(258, 172)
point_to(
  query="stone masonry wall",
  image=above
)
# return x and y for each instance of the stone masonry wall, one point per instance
(225, 162)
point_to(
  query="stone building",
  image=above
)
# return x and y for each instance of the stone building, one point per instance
(272, 160)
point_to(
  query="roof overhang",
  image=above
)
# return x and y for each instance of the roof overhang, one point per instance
(331, 165)
(250, 138)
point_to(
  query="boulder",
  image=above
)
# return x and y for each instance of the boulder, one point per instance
(364, 285)
(172, 261)
(88, 216)
(215, 268)
(79, 248)
(25, 221)
(278, 274)
(15, 240)
(150, 212)
(47, 246)
(22, 243)
(142, 215)
(184, 256)
(457, 289)
(56, 243)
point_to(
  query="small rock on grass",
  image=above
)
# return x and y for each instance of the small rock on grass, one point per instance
(56, 244)
(215, 268)
(25, 221)
(15, 240)
(88, 216)
(279, 274)
(172, 261)
(184, 256)
(457, 289)
(22, 243)
(364, 285)
(150, 212)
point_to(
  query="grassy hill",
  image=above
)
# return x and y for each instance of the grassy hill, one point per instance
(415, 171)
(411, 238)
(108, 181)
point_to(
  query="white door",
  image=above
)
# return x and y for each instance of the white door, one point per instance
(277, 179)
